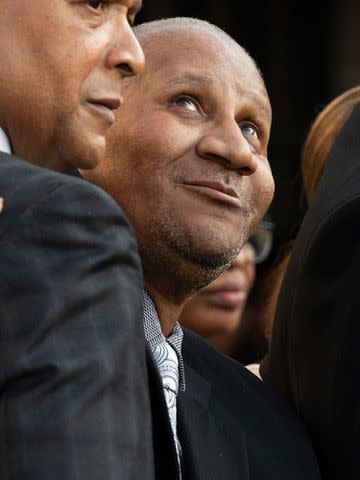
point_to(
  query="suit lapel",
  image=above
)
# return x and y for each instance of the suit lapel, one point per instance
(209, 452)
(166, 464)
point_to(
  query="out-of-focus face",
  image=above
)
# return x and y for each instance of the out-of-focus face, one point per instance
(187, 156)
(61, 66)
(217, 309)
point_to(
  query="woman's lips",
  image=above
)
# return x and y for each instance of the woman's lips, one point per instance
(228, 298)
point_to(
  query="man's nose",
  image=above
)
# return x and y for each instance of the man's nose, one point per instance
(226, 143)
(126, 53)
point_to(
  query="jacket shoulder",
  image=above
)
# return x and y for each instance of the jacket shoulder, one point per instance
(216, 366)
(18, 176)
(243, 403)
(222, 371)
(32, 190)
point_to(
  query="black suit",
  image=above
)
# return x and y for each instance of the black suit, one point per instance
(73, 384)
(230, 425)
(314, 357)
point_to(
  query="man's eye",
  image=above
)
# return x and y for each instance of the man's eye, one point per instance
(96, 5)
(249, 131)
(186, 102)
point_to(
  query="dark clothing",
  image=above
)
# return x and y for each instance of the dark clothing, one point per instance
(74, 403)
(230, 425)
(314, 356)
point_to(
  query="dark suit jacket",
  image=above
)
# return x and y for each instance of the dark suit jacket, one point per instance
(230, 425)
(74, 402)
(314, 357)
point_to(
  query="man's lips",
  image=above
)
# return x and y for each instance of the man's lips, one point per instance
(215, 190)
(105, 107)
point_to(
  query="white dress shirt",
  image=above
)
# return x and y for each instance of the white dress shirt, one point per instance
(4, 142)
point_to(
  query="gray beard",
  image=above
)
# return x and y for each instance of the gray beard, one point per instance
(175, 252)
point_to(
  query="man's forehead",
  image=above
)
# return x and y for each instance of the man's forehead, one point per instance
(177, 71)
(196, 51)
(168, 41)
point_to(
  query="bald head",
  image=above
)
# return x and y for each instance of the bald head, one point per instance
(160, 29)
(149, 29)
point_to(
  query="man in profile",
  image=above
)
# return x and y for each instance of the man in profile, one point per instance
(187, 159)
(73, 397)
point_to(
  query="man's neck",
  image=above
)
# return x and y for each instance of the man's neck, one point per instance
(168, 311)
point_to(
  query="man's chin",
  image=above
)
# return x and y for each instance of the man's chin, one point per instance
(209, 259)
(203, 248)
(90, 154)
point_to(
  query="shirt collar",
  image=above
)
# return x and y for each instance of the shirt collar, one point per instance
(4, 142)
(155, 337)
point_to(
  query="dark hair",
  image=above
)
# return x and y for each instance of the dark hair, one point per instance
(321, 138)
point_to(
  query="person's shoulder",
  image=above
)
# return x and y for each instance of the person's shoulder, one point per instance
(247, 403)
(25, 186)
(17, 173)
(50, 199)
(223, 372)
(216, 366)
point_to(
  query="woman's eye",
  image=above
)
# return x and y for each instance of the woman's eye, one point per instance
(249, 131)
(187, 103)
(96, 5)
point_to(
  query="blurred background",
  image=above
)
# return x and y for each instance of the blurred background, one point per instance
(308, 51)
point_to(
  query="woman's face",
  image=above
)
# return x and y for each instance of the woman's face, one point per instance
(218, 308)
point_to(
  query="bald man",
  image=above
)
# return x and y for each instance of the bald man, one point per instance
(73, 386)
(187, 159)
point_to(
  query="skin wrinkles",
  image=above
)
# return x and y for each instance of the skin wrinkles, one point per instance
(203, 81)
(60, 79)
(247, 207)
(261, 115)
(186, 78)
(171, 132)
(261, 106)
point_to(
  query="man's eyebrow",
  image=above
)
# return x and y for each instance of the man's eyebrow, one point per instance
(260, 105)
(201, 80)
